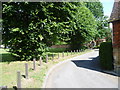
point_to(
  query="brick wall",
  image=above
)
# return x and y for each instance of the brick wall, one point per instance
(116, 45)
(116, 34)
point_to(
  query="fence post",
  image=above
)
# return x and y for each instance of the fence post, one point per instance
(40, 60)
(74, 51)
(46, 58)
(53, 57)
(18, 80)
(67, 53)
(58, 56)
(77, 51)
(63, 54)
(26, 70)
(71, 52)
(34, 67)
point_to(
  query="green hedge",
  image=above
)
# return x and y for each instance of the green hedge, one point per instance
(106, 55)
(57, 49)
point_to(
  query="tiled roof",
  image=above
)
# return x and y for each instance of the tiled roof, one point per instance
(115, 15)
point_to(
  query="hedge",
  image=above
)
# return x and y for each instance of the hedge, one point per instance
(106, 55)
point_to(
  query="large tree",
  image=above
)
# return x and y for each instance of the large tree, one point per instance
(84, 27)
(28, 28)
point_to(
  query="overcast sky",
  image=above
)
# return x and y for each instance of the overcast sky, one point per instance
(108, 5)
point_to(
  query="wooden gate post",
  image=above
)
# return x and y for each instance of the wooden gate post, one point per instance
(26, 70)
(18, 79)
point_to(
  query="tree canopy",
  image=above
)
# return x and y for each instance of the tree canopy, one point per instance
(28, 28)
(103, 30)
(96, 8)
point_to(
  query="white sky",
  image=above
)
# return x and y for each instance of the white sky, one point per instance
(108, 5)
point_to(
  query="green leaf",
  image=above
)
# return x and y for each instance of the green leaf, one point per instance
(41, 37)
(15, 29)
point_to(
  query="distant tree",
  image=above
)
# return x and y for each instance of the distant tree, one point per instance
(84, 28)
(103, 30)
(96, 8)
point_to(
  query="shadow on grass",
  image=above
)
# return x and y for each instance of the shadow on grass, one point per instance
(7, 57)
(93, 64)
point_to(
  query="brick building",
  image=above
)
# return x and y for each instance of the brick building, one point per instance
(115, 20)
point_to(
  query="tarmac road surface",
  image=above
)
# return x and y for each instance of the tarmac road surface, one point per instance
(81, 72)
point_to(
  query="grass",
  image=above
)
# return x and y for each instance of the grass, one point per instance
(36, 78)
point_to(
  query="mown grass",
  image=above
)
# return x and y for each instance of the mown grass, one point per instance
(9, 70)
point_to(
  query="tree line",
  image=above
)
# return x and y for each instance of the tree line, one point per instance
(30, 27)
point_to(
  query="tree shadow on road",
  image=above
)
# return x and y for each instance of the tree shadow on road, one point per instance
(92, 64)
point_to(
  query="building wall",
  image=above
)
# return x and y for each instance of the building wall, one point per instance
(116, 34)
(116, 45)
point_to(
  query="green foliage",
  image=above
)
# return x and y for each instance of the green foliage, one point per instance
(84, 28)
(28, 28)
(96, 8)
(20, 30)
(103, 30)
(61, 43)
(57, 49)
(6, 56)
(97, 47)
(106, 55)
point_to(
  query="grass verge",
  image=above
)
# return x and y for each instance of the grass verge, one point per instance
(36, 78)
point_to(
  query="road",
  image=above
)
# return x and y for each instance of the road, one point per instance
(81, 72)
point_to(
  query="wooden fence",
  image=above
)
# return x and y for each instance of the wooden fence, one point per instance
(19, 76)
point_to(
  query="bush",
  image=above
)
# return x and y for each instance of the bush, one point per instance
(106, 56)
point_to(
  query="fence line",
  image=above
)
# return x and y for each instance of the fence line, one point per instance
(40, 63)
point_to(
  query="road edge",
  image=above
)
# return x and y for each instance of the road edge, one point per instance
(60, 63)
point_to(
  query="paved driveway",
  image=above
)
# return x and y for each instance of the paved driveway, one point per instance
(81, 72)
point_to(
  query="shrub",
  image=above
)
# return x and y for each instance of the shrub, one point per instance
(106, 55)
